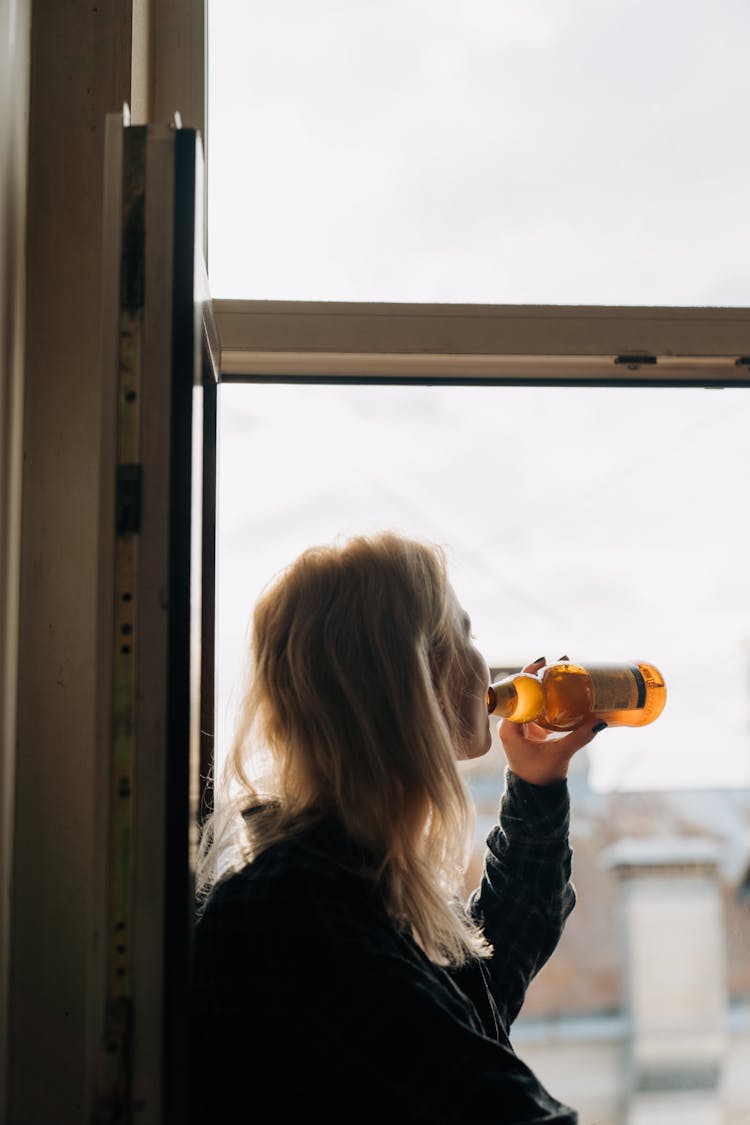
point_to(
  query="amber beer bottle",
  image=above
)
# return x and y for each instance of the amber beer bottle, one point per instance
(562, 695)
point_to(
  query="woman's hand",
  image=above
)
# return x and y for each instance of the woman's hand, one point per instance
(539, 756)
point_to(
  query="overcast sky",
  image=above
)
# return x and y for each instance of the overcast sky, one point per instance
(609, 524)
(538, 151)
(490, 151)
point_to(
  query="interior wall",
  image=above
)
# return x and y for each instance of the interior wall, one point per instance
(169, 62)
(14, 97)
(79, 72)
(67, 68)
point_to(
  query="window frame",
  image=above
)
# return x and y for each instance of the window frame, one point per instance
(559, 345)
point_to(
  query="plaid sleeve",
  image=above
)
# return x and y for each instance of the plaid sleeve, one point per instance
(525, 893)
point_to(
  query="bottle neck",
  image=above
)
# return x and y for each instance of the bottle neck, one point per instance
(519, 698)
(502, 698)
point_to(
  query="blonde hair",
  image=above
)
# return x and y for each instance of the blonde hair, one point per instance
(358, 665)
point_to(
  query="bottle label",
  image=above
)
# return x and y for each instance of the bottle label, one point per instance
(617, 688)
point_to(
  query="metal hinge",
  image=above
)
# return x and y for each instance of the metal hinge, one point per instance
(128, 499)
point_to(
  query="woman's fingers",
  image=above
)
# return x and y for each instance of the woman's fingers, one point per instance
(539, 756)
(540, 662)
(534, 733)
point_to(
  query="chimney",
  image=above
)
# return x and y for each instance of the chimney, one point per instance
(675, 976)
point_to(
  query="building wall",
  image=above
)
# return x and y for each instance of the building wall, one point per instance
(676, 971)
(735, 1077)
(586, 1073)
(678, 1052)
(591, 1072)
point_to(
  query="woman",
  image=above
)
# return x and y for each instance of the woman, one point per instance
(337, 975)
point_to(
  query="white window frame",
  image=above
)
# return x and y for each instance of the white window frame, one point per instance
(538, 344)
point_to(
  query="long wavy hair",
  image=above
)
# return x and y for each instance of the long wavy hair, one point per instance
(352, 710)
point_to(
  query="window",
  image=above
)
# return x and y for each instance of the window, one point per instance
(608, 523)
(417, 212)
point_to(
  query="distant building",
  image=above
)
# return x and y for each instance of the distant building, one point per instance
(642, 1017)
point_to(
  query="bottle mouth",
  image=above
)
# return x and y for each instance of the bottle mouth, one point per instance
(491, 700)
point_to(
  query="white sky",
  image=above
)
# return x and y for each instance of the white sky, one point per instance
(491, 151)
(610, 524)
(533, 151)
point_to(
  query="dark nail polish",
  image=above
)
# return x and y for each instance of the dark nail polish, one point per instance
(539, 660)
(599, 726)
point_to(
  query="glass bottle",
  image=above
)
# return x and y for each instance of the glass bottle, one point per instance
(562, 695)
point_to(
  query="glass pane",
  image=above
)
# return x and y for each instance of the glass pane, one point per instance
(511, 151)
(606, 523)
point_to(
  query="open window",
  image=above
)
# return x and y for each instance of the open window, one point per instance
(482, 277)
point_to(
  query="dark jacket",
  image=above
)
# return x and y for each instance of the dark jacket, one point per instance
(311, 1003)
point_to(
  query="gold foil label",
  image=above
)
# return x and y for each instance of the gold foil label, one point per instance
(617, 688)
